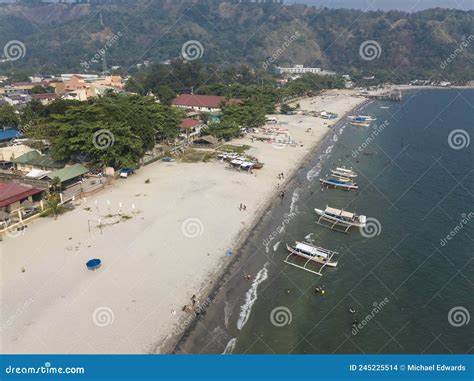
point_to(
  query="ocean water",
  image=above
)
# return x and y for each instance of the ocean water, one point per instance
(409, 284)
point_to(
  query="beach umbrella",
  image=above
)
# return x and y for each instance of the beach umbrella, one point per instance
(93, 264)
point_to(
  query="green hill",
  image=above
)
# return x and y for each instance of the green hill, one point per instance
(58, 37)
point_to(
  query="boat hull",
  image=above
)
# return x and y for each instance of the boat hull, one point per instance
(339, 185)
(339, 221)
(316, 259)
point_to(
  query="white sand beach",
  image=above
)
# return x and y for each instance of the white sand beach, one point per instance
(174, 246)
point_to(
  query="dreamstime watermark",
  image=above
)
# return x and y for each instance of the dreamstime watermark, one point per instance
(103, 139)
(281, 316)
(371, 229)
(14, 50)
(192, 227)
(466, 218)
(192, 50)
(459, 316)
(287, 218)
(281, 50)
(16, 315)
(99, 56)
(466, 41)
(370, 50)
(103, 316)
(369, 140)
(459, 139)
(378, 306)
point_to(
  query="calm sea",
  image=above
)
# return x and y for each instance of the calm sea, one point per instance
(408, 283)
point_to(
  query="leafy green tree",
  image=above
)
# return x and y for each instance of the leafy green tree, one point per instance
(8, 116)
(224, 130)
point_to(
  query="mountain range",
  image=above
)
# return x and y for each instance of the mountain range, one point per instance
(76, 37)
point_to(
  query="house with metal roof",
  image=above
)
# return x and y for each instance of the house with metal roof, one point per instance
(68, 175)
(35, 160)
(12, 195)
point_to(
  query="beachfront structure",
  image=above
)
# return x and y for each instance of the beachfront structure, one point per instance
(12, 195)
(191, 128)
(300, 69)
(69, 175)
(35, 160)
(9, 134)
(202, 103)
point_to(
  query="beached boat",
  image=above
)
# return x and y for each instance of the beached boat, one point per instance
(312, 254)
(258, 165)
(344, 172)
(339, 220)
(339, 182)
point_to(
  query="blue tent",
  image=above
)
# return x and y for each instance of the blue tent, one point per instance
(9, 134)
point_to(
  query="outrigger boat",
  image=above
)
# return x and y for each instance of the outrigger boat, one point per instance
(344, 172)
(360, 124)
(339, 220)
(339, 182)
(311, 253)
(362, 118)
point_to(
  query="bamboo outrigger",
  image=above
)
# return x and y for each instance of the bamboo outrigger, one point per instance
(339, 220)
(312, 254)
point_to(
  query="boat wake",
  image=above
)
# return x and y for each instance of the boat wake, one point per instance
(227, 312)
(251, 297)
(229, 348)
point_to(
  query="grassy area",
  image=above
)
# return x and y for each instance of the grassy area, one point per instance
(196, 156)
(231, 148)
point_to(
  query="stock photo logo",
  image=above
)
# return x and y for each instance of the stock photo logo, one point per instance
(281, 316)
(192, 228)
(371, 229)
(459, 316)
(459, 139)
(14, 50)
(103, 316)
(192, 50)
(370, 50)
(103, 139)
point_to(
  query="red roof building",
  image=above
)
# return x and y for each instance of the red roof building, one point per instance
(202, 102)
(12, 194)
(187, 124)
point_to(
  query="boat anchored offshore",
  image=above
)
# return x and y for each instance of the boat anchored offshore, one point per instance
(339, 220)
(363, 118)
(312, 254)
(344, 172)
(339, 182)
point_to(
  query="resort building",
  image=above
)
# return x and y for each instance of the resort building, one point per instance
(12, 195)
(34, 160)
(202, 103)
(299, 70)
(191, 128)
(69, 175)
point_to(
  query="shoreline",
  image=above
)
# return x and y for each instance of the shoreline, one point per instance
(187, 331)
(151, 267)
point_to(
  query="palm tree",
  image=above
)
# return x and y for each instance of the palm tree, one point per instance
(56, 184)
(53, 204)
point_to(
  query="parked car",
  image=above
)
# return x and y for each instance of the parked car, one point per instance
(125, 172)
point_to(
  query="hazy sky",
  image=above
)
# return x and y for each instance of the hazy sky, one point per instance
(405, 5)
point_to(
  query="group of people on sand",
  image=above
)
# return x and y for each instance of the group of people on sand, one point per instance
(242, 207)
(190, 308)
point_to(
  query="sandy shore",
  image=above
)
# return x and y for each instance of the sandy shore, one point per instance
(169, 245)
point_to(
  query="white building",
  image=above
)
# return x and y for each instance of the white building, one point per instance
(300, 69)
